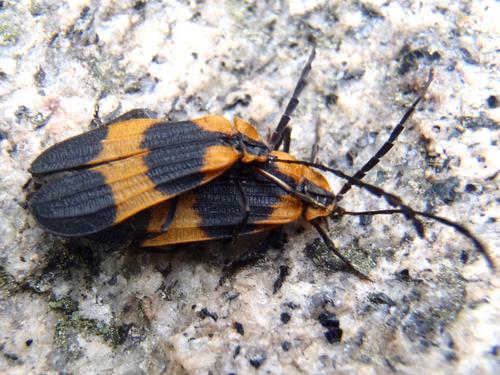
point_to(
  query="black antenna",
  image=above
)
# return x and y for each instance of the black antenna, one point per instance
(395, 201)
(389, 143)
(392, 199)
(277, 136)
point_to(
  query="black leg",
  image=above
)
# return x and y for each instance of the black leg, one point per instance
(331, 246)
(133, 114)
(388, 144)
(247, 258)
(278, 133)
(289, 189)
(96, 119)
(169, 217)
(245, 208)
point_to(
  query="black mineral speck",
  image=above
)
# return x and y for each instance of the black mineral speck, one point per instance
(408, 58)
(495, 349)
(381, 299)
(292, 305)
(139, 5)
(403, 275)
(349, 159)
(285, 317)
(370, 12)
(29, 342)
(113, 280)
(492, 101)
(333, 335)
(239, 328)
(237, 351)
(328, 320)
(286, 345)
(450, 356)
(40, 76)
(466, 55)
(11, 356)
(389, 364)
(331, 99)
(282, 274)
(470, 188)
(464, 257)
(204, 313)
(257, 360)
(351, 75)
(434, 56)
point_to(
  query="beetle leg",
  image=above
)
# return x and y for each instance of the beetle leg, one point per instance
(331, 246)
(248, 257)
(133, 114)
(96, 119)
(136, 113)
(245, 208)
(282, 184)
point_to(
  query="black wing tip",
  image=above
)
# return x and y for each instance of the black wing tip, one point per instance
(38, 167)
(68, 234)
(71, 227)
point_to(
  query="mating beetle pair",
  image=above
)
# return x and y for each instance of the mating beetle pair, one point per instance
(179, 182)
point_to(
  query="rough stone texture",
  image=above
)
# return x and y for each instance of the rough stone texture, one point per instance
(79, 307)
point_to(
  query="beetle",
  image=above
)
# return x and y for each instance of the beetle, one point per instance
(100, 178)
(138, 164)
(275, 193)
(115, 171)
(247, 200)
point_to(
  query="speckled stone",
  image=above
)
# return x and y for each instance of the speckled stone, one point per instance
(433, 306)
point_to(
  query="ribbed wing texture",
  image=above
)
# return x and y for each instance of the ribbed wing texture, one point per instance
(120, 140)
(216, 210)
(172, 158)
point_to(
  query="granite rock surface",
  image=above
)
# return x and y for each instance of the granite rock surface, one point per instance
(78, 307)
